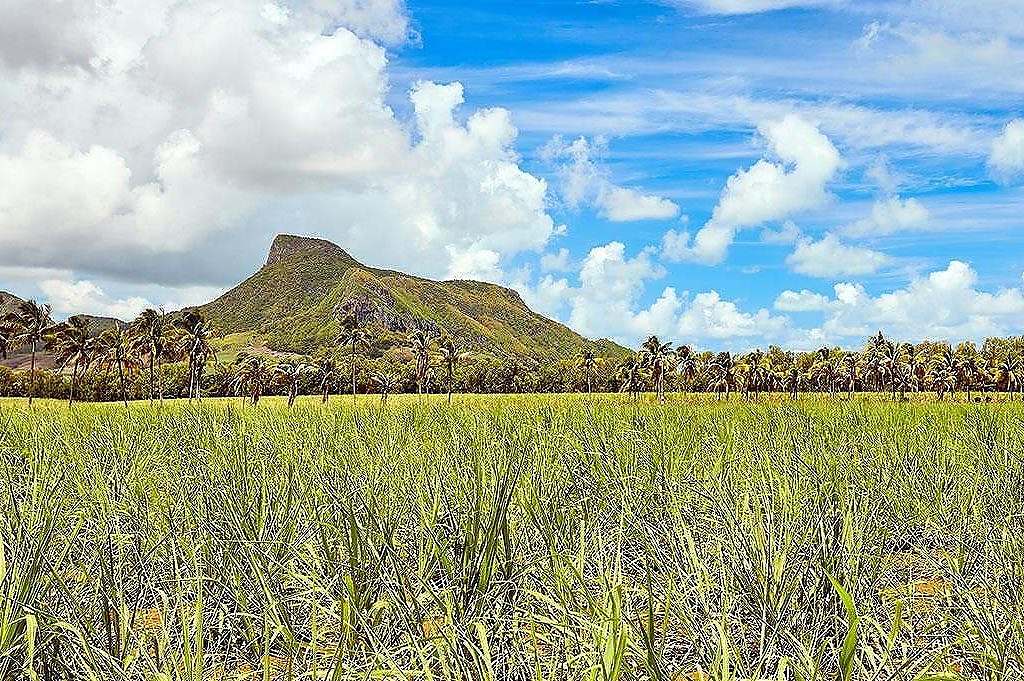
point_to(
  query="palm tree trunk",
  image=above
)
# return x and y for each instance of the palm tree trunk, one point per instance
(449, 384)
(120, 378)
(74, 376)
(152, 379)
(32, 375)
(353, 371)
(160, 378)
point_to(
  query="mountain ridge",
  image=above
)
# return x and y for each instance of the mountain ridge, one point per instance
(294, 298)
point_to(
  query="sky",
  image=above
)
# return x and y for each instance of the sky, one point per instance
(723, 173)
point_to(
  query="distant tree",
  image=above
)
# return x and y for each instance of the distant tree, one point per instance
(7, 331)
(72, 347)
(657, 357)
(686, 363)
(194, 344)
(793, 381)
(114, 351)
(850, 373)
(31, 325)
(631, 376)
(449, 354)
(1010, 373)
(252, 376)
(289, 374)
(152, 336)
(419, 343)
(588, 365)
(326, 370)
(353, 333)
(386, 383)
(723, 374)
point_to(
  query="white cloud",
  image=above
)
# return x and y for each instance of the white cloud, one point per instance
(890, 215)
(788, 233)
(801, 301)
(607, 303)
(86, 297)
(585, 181)
(1007, 156)
(769, 191)
(829, 258)
(709, 317)
(754, 6)
(945, 304)
(622, 204)
(556, 262)
(184, 124)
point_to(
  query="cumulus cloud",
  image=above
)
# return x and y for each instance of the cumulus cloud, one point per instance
(138, 135)
(945, 304)
(769, 190)
(788, 233)
(1007, 156)
(890, 215)
(801, 301)
(86, 297)
(829, 258)
(608, 302)
(585, 181)
(556, 262)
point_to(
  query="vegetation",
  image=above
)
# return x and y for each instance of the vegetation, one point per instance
(577, 537)
(181, 355)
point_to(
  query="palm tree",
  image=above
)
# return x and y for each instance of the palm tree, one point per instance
(72, 346)
(1010, 372)
(152, 332)
(326, 370)
(945, 370)
(450, 356)
(893, 360)
(657, 357)
(631, 375)
(252, 376)
(723, 369)
(588, 364)
(419, 343)
(6, 338)
(850, 366)
(353, 333)
(686, 363)
(386, 382)
(289, 373)
(793, 381)
(31, 325)
(967, 366)
(195, 346)
(114, 350)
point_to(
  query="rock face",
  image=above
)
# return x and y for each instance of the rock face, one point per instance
(293, 302)
(287, 246)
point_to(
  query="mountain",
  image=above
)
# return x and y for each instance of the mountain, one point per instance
(291, 303)
(8, 303)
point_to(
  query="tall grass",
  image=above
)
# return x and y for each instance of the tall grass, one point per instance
(512, 538)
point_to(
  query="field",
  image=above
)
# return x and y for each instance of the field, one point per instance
(558, 537)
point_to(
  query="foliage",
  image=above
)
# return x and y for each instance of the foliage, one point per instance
(577, 537)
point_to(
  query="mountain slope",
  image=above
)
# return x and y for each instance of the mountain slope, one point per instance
(292, 302)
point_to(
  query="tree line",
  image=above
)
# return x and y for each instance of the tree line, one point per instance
(162, 355)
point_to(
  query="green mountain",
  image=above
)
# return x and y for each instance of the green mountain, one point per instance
(292, 304)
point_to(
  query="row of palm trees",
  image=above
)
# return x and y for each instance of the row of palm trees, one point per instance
(152, 339)
(883, 365)
(156, 337)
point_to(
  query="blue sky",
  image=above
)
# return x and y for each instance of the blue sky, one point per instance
(730, 173)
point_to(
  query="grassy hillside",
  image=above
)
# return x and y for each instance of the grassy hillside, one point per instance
(292, 302)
